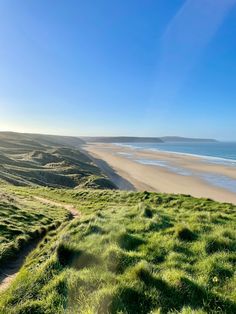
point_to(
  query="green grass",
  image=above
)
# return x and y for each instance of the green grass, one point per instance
(23, 220)
(130, 253)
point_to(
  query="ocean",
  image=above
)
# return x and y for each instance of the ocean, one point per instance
(217, 152)
(220, 152)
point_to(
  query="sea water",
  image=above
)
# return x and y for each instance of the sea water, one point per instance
(218, 152)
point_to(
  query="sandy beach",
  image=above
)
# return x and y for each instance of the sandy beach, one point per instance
(132, 169)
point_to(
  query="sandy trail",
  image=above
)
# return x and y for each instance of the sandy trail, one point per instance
(10, 271)
(72, 209)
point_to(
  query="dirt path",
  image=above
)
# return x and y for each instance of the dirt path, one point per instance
(8, 273)
(69, 207)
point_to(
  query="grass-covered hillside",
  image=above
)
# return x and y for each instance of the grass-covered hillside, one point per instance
(130, 253)
(46, 160)
(23, 220)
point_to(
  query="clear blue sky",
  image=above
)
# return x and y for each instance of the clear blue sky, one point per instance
(102, 67)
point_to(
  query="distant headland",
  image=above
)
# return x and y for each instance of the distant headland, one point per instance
(132, 139)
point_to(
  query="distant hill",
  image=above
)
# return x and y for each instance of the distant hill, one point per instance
(131, 139)
(123, 139)
(47, 160)
(186, 139)
(27, 140)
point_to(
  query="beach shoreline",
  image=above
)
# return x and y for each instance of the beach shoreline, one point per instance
(219, 160)
(165, 172)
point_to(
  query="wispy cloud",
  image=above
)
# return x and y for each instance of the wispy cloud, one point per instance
(185, 39)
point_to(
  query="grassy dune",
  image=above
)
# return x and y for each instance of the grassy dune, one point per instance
(125, 252)
(46, 160)
(130, 253)
(23, 220)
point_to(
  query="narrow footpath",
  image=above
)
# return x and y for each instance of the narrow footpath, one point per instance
(9, 272)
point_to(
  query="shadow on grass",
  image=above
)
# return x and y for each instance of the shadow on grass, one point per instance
(162, 223)
(129, 300)
(129, 242)
(73, 257)
(185, 293)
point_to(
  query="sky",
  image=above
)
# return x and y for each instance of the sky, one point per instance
(101, 67)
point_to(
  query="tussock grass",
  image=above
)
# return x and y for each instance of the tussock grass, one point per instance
(23, 222)
(117, 259)
(70, 256)
(185, 234)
